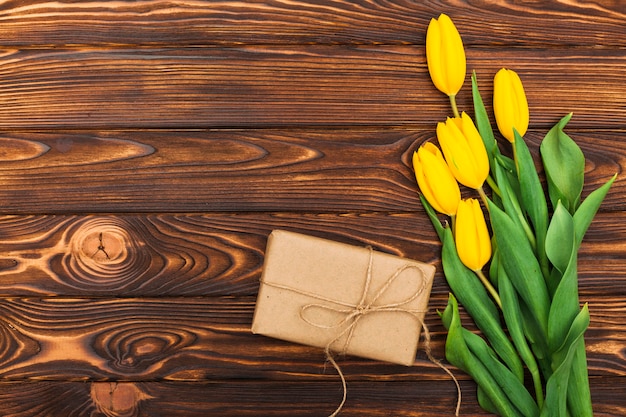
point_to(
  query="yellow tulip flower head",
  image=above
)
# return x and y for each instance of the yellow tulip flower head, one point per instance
(445, 55)
(509, 104)
(435, 179)
(464, 150)
(473, 242)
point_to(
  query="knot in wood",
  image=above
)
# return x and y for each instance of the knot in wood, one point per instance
(117, 399)
(102, 252)
(102, 246)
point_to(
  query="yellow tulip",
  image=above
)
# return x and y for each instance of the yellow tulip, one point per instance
(435, 179)
(464, 150)
(473, 243)
(509, 104)
(445, 55)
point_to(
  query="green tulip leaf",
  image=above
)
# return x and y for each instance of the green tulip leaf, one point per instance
(564, 164)
(537, 339)
(560, 241)
(474, 297)
(482, 122)
(556, 388)
(578, 392)
(511, 205)
(513, 318)
(564, 307)
(466, 286)
(532, 197)
(588, 209)
(521, 266)
(459, 354)
(560, 245)
(484, 401)
(510, 385)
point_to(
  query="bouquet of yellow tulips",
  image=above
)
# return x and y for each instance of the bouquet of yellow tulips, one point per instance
(517, 279)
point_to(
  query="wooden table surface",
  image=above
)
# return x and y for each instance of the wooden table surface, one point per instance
(148, 148)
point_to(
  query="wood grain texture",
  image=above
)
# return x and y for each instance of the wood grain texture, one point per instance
(254, 398)
(197, 339)
(154, 22)
(270, 86)
(222, 255)
(241, 171)
(148, 148)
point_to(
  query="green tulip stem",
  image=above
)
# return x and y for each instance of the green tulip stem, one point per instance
(483, 196)
(455, 109)
(479, 273)
(453, 223)
(492, 184)
(538, 387)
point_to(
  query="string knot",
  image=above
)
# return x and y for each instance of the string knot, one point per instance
(362, 310)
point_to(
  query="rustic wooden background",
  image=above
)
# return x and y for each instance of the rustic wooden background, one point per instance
(148, 148)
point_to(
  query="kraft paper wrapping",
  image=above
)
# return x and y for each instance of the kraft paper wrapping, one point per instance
(345, 298)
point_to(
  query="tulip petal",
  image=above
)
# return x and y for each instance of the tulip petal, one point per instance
(510, 104)
(477, 147)
(471, 235)
(454, 55)
(434, 56)
(465, 236)
(464, 151)
(482, 234)
(445, 55)
(435, 179)
(522, 116)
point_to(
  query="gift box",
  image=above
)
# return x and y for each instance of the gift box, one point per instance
(343, 298)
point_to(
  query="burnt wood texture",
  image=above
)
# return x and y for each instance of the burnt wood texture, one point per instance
(147, 150)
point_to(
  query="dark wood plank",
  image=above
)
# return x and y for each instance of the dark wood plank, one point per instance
(140, 209)
(261, 86)
(314, 171)
(204, 338)
(173, 254)
(230, 398)
(253, 398)
(222, 255)
(155, 22)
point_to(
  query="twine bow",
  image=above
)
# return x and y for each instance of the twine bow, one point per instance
(353, 313)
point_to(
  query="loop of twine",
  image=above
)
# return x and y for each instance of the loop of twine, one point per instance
(353, 313)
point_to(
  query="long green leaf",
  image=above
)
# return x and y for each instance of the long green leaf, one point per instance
(476, 300)
(511, 386)
(537, 339)
(556, 389)
(510, 203)
(560, 241)
(459, 354)
(588, 209)
(482, 122)
(564, 307)
(564, 164)
(578, 392)
(484, 401)
(513, 318)
(521, 266)
(532, 198)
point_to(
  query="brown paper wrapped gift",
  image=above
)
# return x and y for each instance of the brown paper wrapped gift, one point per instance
(341, 297)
